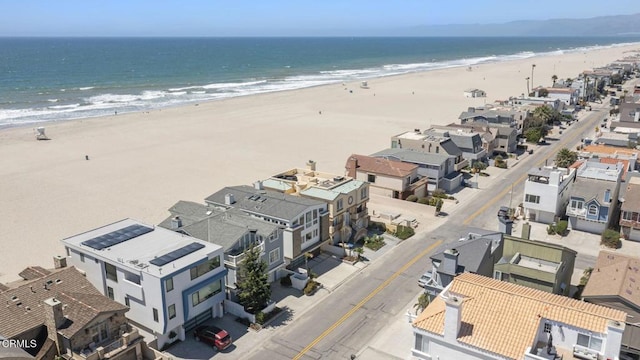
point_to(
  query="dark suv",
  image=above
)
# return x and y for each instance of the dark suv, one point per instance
(213, 335)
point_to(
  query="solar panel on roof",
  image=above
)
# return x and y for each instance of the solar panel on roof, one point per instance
(176, 254)
(117, 237)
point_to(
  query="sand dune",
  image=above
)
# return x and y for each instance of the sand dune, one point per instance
(140, 164)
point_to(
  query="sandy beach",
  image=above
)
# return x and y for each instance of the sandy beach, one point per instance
(142, 163)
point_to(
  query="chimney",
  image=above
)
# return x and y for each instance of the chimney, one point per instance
(59, 262)
(53, 317)
(229, 199)
(450, 262)
(352, 165)
(452, 317)
(176, 223)
(311, 165)
(258, 185)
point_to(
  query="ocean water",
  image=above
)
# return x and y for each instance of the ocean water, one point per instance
(45, 79)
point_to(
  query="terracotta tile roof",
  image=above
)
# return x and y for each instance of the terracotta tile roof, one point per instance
(494, 310)
(380, 166)
(615, 275)
(605, 149)
(33, 272)
(614, 161)
(22, 308)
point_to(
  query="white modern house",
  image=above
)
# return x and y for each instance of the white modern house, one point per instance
(478, 317)
(546, 193)
(474, 93)
(171, 282)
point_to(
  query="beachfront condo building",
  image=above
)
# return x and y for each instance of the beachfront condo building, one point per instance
(432, 143)
(593, 201)
(390, 178)
(546, 193)
(477, 317)
(512, 116)
(171, 282)
(345, 197)
(304, 222)
(235, 231)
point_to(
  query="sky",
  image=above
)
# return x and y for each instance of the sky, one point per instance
(277, 17)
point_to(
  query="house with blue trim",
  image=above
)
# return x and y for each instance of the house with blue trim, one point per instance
(171, 282)
(593, 200)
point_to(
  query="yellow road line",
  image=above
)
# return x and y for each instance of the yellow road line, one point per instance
(484, 207)
(366, 299)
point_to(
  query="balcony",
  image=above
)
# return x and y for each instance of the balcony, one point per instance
(109, 349)
(461, 165)
(576, 212)
(235, 256)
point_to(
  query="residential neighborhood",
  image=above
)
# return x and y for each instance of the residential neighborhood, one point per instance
(232, 273)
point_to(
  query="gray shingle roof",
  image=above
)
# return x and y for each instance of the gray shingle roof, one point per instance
(470, 253)
(265, 202)
(466, 142)
(411, 156)
(588, 189)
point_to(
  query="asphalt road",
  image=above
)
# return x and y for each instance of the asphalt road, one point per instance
(345, 321)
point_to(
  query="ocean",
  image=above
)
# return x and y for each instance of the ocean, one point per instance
(56, 79)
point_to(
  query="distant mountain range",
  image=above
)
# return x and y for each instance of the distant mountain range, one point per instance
(617, 25)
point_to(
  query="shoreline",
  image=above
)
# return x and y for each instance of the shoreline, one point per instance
(142, 163)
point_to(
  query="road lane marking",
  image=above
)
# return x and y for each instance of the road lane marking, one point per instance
(483, 208)
(366, 299)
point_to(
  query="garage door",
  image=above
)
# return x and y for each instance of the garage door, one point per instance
(197, 320)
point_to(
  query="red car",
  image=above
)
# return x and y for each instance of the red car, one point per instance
(213, 335)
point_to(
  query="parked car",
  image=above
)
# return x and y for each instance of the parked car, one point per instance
(214, 336)
(424, 279)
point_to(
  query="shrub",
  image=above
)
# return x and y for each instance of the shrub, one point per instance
(561, 227)
(412, 198)
(611, 239)
(286, 281)
(260, 317)
(423, 200)
(374, 243)
(551, 230)
(439, 193)
(377, 226)
(311, 287)
(451, 198)
(433, 201)
(405, 232)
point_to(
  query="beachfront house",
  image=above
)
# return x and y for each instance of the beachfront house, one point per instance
(513, 116)
(439, 169)
(58, 312)
(474, 93)
(171, 282)
(344, 197)
(594, 196)
(235, 231)
(495, 137)
(390, 178)
(567, 95)
(469, 143)
(604, 151)
(430, 143)
(546, 193)
(477, 317)
(304, 221)
(630, 209)
(611, 284)
(554, 104)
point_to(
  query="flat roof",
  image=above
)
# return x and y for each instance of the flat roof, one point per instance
(537, 264)
(411, 135)
(138, 253)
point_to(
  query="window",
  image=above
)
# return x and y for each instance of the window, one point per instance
(171, 311)
(127, 302)
(589, 342)
(205, 267)
(273, 236)
(547, 327)
(422, 343)
(168, 284)
(371, 178)
(497, 275)
(110, 292)
(111, 272)
(626, 215)
(437, 149)
(315, 216)
(131, 277)
(308, 219)
(363, 193)
(82, 257)
(315, 232)
(339, 204)
(593, 209)
(155, 314)
(576, 204)
(205, 293)
(532, 198)
(274, 255)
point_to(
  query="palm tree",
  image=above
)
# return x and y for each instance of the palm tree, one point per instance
(423, 302)
(527, 78)
(533, 66)
(565, 157)
(554, 78)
